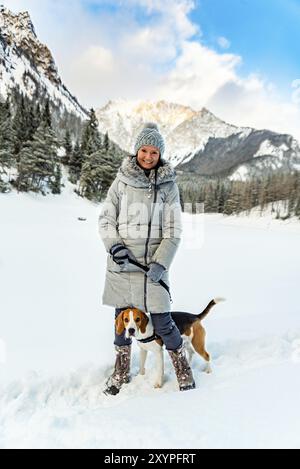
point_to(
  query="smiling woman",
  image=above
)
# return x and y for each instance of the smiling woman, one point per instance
(149, 239)
(148, 157)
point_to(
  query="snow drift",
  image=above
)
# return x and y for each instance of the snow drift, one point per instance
(56, 337)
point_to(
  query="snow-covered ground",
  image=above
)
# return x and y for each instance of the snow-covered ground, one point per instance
(56, 338)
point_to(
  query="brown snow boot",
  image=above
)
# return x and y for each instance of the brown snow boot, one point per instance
(121, 374)
(182, 369)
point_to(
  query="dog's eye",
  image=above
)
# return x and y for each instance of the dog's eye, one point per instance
(126, 320)
(138, 320)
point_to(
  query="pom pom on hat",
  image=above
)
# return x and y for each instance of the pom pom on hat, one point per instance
(151, 125)
(150, 135)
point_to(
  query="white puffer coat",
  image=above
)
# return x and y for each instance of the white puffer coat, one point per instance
(144, 214)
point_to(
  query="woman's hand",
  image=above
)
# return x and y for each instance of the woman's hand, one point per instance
(156, 272)
(121, 254)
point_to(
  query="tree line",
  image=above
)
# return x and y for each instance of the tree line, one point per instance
(32, 154)
(93, 161)
(233, 197)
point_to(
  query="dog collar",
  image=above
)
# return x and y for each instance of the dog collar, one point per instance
(149, 339)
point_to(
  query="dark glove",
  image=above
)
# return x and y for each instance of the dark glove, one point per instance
(120, 254)
(156, 272)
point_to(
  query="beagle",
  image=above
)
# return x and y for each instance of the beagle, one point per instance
(139, 325)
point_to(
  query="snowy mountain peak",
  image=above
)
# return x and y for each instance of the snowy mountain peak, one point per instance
(185, 129)
(20, 24)
(27, 64)
(163, 112)
(198, 141)
(18, 32)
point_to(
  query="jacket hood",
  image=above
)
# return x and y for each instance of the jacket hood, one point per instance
(130, 173)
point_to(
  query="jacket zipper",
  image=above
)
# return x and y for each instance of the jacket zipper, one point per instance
(147, 242)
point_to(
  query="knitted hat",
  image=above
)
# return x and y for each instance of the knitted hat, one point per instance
(150, 135)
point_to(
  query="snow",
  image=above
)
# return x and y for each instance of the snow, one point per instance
(13, 74)
(264, 219)
(56, 338)
(267, 148)
(241, 174)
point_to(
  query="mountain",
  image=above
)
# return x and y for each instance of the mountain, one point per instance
(240, 155)
(199, 142)
(27, 65)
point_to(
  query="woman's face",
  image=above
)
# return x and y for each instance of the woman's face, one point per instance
(148, 157)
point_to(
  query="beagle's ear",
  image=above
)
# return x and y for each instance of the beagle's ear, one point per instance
(144, 323)
(120, 328)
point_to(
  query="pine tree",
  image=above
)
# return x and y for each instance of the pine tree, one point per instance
(26, 121)
(46, 116)
(38, 168)
(221, 197)
(297, 206)
(90, 144)
(68, 147)
(106, 142)
(91, 139)
(75, 164)
(233, 201)
(33, 116)
(55, 186)
(98, 173)
(20, 126)
(7, 139)
(211, 203)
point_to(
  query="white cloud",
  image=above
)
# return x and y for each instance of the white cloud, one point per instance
(197, 74)
(97, 59)
(202, 77)
(296, 92)
(258, 106)
(104, 56)
(224, 43)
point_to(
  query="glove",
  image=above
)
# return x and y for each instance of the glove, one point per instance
(156, 272)
(120, 254)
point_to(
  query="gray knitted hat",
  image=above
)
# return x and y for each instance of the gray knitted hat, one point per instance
(150, 135)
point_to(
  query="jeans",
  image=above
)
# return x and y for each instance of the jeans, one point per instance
(164, 327)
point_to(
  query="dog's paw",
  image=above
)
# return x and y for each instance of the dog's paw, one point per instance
(142, 372)
(208, 370)
(158, 385)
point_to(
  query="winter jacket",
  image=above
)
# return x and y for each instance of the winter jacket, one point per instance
(144, 214)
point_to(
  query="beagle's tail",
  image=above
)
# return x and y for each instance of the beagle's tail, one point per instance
(208, 308)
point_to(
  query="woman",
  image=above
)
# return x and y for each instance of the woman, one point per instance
(141, 221)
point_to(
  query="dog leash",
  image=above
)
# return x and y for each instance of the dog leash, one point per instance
(146, 270)
(143, 268)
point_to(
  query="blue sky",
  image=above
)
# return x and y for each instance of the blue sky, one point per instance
(266, 33)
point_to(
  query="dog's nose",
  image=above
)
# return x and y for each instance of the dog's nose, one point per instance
(131, 331)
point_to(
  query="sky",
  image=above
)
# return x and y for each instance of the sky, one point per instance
(238, 58)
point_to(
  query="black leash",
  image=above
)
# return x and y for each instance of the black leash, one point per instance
(146, 270)
(143, 268)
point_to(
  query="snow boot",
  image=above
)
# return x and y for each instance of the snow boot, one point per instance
(121, 374)
(182, 369)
